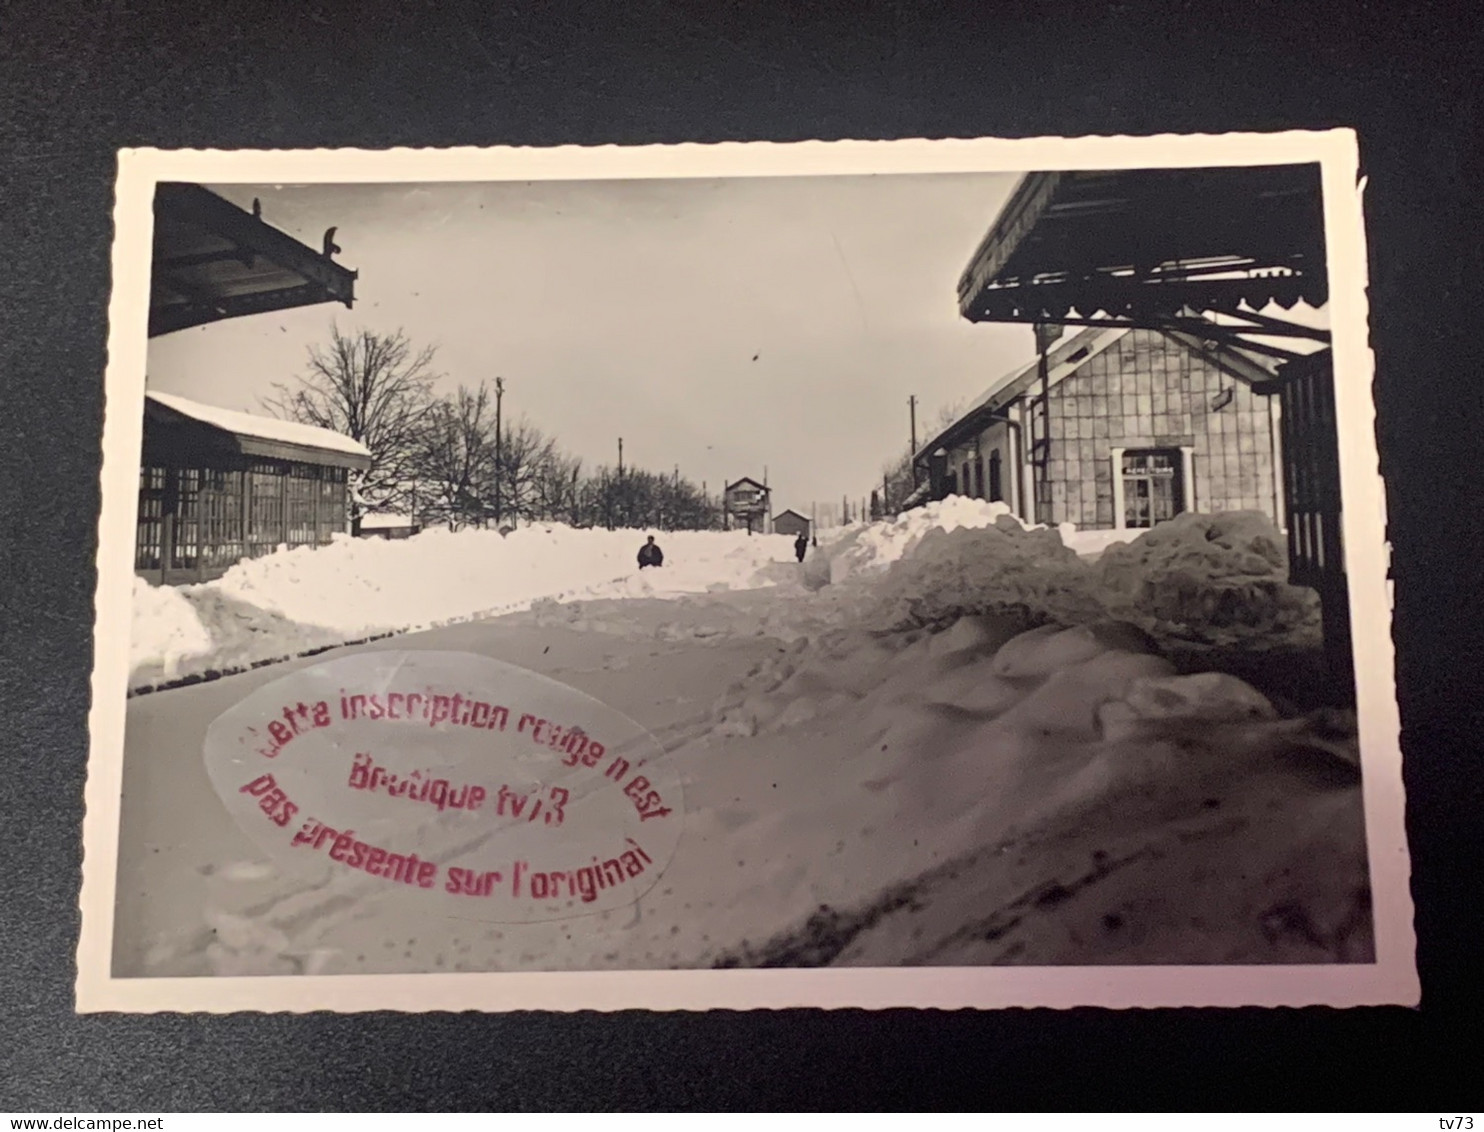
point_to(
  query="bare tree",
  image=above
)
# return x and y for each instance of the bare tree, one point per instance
(899, 485)
(525, 456)
(453, 457)
(375, 389)
(554, 490)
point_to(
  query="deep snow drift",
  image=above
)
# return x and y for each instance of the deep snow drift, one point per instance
(869, 549)
(1041, 797)
(1209, 579)
(917, 762)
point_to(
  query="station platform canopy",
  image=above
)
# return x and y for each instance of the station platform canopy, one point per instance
(1155, 248)
(213, 260)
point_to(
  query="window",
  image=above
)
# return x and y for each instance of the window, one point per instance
(979, 477)
(221, 516)
(1152, 491)
(966, 485)
(149, 542)
(301, 494)
(187, 545)
(996, 485)
(331, 503)
(265, 507)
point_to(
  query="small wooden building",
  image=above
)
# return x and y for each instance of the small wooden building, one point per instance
(790, 523)
(387, 526)
(747, 504)
(1130, 427)
(218, 486)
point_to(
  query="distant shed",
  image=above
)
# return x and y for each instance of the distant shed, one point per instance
(790, 523)
(388, 526)
(217, 486)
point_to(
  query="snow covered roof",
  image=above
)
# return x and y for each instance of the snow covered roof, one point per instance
(269, 436)
(385, 522)
(792, 512)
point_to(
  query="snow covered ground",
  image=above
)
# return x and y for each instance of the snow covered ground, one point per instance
(289, 603)
(295, 601)
(944, 740)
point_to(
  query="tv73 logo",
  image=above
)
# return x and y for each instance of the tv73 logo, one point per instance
(1457, 1123)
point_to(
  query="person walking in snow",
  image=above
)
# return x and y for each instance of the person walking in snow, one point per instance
(801, 545)
(650, 554)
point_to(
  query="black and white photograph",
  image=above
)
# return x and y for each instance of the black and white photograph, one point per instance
(910, 573)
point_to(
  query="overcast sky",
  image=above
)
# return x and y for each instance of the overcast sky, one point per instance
(724, 326)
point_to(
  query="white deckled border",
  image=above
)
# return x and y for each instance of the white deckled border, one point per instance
(1392, 979)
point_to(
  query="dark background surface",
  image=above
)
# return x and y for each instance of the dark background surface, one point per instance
(81, 81)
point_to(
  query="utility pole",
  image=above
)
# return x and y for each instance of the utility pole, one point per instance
(885, 493)
(499, 442)
(912, 453)
(767, 505)
(618, 503)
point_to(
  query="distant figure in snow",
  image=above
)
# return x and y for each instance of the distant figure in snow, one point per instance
(801, 546)
(650, 554)
(815, 541)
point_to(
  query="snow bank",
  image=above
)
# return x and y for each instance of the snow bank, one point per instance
(309, 598)
(1209, 579)
(870, 549)
(1224, 576)
(166, 628)
(1215, 580)
(294, 601)
(982, 795)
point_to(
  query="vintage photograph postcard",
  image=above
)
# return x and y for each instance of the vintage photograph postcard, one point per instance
(857, 574)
